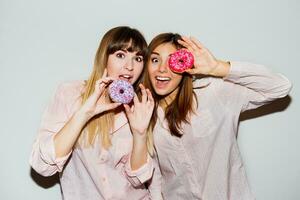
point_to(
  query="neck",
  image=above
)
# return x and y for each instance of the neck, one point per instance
(165, 102)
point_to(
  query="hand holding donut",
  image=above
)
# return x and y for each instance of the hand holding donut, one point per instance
(140, 113)
(97, 102)
(204, 62)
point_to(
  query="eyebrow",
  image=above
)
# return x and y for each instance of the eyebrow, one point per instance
(124, 50)
(153, 52)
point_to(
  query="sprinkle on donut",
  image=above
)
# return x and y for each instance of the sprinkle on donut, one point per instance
(121, 91)
(181, 60)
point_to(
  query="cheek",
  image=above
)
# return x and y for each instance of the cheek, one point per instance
(176, 79)
(111, 66)
(138, 70)
(140, 67)
(111, 71)
(179, 78)
(150, 73)
(151, 69)
(114, 67)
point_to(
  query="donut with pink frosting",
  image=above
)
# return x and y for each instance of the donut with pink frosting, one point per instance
(121, 91)
(181, 60)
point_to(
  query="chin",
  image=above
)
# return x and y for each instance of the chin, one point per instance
(161, 92)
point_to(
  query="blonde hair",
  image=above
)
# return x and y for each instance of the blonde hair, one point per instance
(101, 125)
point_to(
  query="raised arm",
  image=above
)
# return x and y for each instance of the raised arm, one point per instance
(246, 86)
(60, 128)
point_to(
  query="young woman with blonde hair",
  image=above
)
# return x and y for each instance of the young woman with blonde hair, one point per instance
(101, 149)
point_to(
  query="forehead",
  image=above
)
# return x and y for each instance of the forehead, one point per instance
(129, 46)
(165, 49)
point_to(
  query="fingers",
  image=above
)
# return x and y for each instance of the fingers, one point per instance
(127, 109)
(190, 44)
(146, 103)
(112, 106)
(102, 83)
(135, 99)
(101, 108)
(197, 43)
(186, 45)
(144, 93)
(105, 80)
(99, 88)
(150, 98)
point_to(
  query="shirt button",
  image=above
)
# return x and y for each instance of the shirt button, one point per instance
(103, 159)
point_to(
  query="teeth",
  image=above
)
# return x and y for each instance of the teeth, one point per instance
(160, 78)
(126, 76)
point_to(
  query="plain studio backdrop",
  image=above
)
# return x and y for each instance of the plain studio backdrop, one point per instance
(43, 43)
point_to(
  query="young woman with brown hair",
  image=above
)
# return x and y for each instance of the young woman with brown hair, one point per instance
(196, 118)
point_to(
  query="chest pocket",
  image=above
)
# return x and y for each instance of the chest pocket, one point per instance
(203, 124)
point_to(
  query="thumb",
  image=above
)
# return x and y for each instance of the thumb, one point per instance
(127, 109)
(191, 71)
(99, 90)
(110, 106)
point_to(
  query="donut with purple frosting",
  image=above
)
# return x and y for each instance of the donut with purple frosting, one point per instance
(121, 91)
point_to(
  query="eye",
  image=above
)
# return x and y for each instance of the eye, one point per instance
(154, 60)
(120, 55)
(139, 59)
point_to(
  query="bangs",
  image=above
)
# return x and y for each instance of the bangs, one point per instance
(166, 38)
(130, 41)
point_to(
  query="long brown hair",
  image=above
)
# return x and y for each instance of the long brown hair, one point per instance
(117, 38)
(181, 107)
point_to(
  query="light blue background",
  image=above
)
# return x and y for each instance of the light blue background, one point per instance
(43, 43)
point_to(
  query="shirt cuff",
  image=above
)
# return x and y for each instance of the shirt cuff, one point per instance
(47, 153)
(243, 69)
(234, 71)
(141, 175)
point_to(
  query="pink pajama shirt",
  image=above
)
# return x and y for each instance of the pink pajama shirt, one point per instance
(205, 163)
(90, 173)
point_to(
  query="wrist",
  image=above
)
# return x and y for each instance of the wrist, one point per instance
(82, 115)
(139, 137)
(221, 69)
(139, 145)
(139, 132)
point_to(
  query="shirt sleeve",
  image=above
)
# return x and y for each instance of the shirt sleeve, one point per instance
(42, 158)
(141, 175)
(156, 180)
(248, 86)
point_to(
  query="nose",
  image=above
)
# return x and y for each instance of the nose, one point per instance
(163, 67)
(129, 64)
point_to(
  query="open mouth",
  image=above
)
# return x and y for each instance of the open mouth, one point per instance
(162, 78)
(125, 77)
(162, 81)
